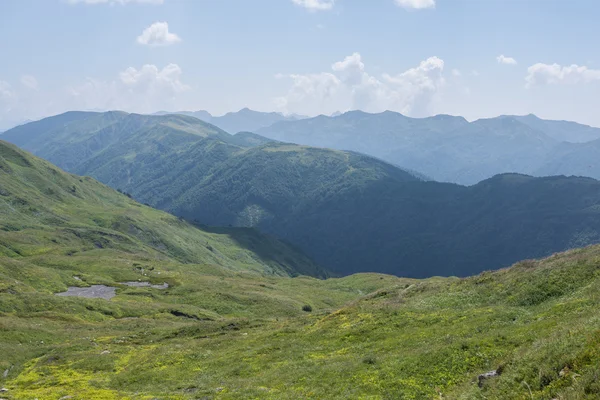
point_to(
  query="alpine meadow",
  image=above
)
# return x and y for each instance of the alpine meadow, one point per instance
(300, 199)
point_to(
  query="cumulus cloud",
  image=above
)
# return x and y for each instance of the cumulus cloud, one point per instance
(112, 2)
(158, 34)
(350, 86)
(308, 88)
(415, 4)
(315, 5)
(544, 74)
(151, 79)
(141, 90)
(502, 59)
(29, 81)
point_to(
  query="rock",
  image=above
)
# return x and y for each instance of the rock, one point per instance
(105, 352)
(66, 397)
(3, 390)
(491, 374)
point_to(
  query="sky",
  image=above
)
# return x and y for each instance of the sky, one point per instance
(475, 58)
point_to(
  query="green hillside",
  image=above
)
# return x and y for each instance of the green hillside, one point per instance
(49, 214)
(348, 211)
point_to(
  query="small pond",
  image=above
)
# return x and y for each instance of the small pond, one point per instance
(92, 292)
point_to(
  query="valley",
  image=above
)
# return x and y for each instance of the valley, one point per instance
(347, 211)
(231, 324)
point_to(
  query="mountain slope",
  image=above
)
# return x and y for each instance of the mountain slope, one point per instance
(443, 147)
(47, 213)
(562, 131)
(533, 329)
(69, 138)
(579, 159)
(349, 212)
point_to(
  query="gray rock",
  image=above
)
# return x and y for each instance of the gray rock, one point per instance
(481, 378)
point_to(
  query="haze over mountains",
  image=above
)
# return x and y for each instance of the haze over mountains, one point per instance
(348, 211)
(451, 149)
(245, 120)
(443, 147)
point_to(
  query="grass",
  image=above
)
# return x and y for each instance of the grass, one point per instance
(368, 336)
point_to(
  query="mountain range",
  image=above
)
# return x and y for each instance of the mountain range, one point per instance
(245, 120)
(451, 149)
(348, 211)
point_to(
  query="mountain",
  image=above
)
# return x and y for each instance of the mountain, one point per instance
(443, 147)
(245, 120)
(201, 114)
(349, 212)
(47, 213)
(249, 139)
(580, 159)
(562, 131)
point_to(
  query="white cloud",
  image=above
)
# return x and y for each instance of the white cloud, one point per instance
(6, 92)
(29, 81)
(350, 86)
(158, 34)
(308, 88)
(140, 90)
(456, 72)
(415, 4)
(112, 2)
(151, 79)
(540, 74)
(502, 59)
(315, 5)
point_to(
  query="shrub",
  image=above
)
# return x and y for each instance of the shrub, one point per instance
(306, 308)
(370, 360)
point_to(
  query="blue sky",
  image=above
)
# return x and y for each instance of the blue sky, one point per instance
(418, 57)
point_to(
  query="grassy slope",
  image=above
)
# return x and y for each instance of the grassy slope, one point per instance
(47, 213)
(429, 339)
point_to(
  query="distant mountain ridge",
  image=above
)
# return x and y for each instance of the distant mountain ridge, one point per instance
(444, 147)
(245, 120)
(348, 211)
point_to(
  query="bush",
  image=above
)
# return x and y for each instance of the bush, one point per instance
(370, 360)
(306, 308)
